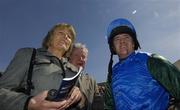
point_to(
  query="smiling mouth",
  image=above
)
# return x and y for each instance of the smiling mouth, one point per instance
(122, 47)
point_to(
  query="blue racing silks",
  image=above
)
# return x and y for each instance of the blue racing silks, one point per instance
(133, 86)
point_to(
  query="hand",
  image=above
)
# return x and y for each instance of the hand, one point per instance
(74, 96)
(38, 102)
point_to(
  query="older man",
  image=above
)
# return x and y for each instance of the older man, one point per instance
(77, 58)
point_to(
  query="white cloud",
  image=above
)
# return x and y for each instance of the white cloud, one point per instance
(134, 12)
(166, 45)
(173, 13)
(156, 14)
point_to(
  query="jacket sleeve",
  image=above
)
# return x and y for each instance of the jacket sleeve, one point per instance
(87, 86)
(166, 73)
(12, 78)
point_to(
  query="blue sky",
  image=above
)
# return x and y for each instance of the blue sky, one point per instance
(24, 23)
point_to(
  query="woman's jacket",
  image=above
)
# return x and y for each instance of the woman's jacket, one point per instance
(47, 74)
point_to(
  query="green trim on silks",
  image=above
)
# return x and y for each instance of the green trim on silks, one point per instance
(166, 73)
(109, 103)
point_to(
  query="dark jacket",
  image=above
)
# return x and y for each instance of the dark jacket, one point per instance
(166, 74)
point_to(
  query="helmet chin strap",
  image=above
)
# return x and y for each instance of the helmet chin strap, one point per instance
(109, 78)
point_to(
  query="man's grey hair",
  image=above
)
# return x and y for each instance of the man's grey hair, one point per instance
(80, 45)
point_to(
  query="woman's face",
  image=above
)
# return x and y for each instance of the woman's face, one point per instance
(61, 40)
(123, 45)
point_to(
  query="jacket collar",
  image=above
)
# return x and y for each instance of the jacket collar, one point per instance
(44, 52)
(72, 67)
(128, 57)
